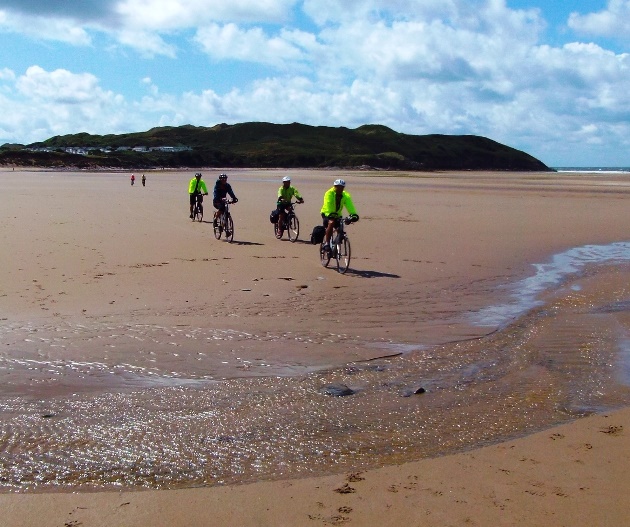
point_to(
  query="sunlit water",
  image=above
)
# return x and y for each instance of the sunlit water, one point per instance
(551, 360)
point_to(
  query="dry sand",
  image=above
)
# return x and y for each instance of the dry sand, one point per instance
(87, 250)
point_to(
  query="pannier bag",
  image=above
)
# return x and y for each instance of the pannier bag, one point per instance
(273, 217)
(317, 236)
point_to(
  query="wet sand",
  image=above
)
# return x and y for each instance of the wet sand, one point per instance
(575, 474)
(129, 332)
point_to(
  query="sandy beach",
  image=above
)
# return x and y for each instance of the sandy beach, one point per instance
(154, 375)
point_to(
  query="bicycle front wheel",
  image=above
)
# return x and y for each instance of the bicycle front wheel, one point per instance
(217, 225)
(324, 255)
(199, 213)
(343, 255)
(229, 228)
(293, 228)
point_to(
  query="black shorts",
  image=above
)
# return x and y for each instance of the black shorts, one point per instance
(326, 219)
(195, 197)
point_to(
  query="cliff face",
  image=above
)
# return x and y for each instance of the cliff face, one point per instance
(274, 145)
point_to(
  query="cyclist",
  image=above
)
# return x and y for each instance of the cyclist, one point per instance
(144, 180)
(221, 189)
(133, 179)
(335, 199)
(285, 193)
(197, 190)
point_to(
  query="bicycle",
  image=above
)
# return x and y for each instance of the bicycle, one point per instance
(339, 246)
(197, 209)
(290, 225)
(224, 223)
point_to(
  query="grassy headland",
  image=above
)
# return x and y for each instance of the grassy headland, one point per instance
(267, 145)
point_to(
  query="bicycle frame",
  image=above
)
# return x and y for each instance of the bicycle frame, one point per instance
(339, 232)
(290, 223)
(198, 207)
(224, 223)
(339, 246)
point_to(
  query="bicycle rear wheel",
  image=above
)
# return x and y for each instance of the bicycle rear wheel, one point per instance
(229, 228)
(342, 255)
(324, 255)
(293, 229)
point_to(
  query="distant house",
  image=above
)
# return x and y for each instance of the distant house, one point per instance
(170, 148)
(86, 150)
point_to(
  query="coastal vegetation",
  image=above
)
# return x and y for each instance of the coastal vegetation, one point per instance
(268, 145)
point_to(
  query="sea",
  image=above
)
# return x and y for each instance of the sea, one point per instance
(593, 170)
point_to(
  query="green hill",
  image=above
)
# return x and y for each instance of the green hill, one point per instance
(268, 145)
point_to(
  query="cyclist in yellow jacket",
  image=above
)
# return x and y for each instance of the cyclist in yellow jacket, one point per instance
(285, 193)
(335, 199)
(196, 190)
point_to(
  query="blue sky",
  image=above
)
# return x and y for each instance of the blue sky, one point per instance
(548, 77)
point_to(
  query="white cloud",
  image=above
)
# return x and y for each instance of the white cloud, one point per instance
(45, 103)
(58, 86)
(44, 28)
(7, 74)
(229, 42)
(147, 43)
(613, 22)
(177, 14)
(339, 12)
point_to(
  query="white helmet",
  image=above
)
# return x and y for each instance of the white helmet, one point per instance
(286, 178)
(339, 183)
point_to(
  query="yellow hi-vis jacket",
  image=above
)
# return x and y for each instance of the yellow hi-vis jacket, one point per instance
(200, 188)
(330, 203)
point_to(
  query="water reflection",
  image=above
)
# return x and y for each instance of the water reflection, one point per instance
(559, 360)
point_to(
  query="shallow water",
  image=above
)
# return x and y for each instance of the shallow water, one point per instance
(561, 351)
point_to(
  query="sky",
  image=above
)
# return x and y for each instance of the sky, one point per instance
(551, 78)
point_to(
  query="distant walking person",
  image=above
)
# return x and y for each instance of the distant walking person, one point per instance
(144, 180)
(335, 199)
(197, 190)
(133, 179)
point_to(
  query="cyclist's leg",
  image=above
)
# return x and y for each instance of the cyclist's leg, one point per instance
(282, 216)
(192, 203)
(218, 206)
(330, 227)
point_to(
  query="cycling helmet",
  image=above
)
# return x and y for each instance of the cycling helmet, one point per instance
(286, 178)
(339, 183)
(223, 176)
(198, 174)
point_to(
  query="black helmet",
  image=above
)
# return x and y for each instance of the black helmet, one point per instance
(223, 176)
(198, 174)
